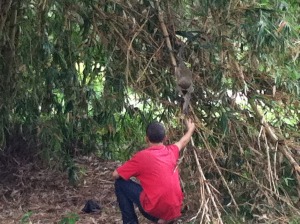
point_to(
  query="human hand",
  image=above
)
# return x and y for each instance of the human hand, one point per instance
(190, 124)
(184, 140)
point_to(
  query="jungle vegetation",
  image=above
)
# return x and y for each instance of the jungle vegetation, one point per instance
(86, 76)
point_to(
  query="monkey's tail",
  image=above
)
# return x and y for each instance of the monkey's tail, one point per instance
(186, 103)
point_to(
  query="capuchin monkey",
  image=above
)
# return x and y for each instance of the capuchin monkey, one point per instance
(184, 78)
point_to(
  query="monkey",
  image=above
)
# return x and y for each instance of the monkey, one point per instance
(184, 78)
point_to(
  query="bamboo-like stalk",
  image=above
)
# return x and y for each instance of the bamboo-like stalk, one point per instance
(165, 33)
(274, 139)
(206, 185)
(4, 8)
(269, 131)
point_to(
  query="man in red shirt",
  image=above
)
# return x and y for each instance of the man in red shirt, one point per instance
(158, 196)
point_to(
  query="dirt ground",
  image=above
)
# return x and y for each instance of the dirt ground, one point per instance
(34, 195)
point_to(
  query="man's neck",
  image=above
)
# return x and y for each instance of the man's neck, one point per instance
(155, 144)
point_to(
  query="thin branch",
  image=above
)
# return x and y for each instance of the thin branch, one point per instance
(205, 182)
(219, 171)
(165, 33)
(274, 139)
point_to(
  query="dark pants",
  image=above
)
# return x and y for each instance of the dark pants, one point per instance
(128, 193)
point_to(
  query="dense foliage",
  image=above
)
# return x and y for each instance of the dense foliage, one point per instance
(87, 76)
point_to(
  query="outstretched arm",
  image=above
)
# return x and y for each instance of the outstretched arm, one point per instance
(187, 136)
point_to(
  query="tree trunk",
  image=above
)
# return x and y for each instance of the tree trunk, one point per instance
(8, 42)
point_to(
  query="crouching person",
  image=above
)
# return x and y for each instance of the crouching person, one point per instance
(158, 196)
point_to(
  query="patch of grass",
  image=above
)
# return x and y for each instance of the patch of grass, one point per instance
(71, 218)
(26, 218)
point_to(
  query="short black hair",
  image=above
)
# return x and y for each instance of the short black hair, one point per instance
(155, 132)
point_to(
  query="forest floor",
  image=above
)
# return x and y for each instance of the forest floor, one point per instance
(29, 194)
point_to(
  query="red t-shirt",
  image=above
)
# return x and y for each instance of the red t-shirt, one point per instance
(155, 168)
